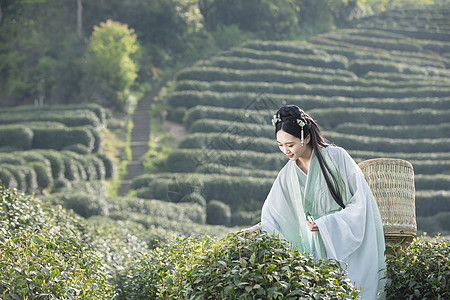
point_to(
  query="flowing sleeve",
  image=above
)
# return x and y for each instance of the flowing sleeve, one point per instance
(283, 212)
(271, 214)
(344, 232)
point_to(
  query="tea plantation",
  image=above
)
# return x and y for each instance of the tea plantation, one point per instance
(379, 89)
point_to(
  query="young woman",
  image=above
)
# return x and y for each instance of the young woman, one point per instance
(321, 203)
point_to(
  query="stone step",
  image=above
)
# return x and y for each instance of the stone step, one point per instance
(124, 187)
(138, 151)
(134, 168)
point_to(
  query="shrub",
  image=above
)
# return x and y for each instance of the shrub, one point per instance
(217, 213)
(234, 171)
(100, 112)
(41, 253)
(55, 138)
(43, 175)
(235, 191)
(85, 205)
(237, 128)
(196, 198)
(7, 179)
(60, 184)
(189, 99)
(16, 136)
(421, 271)
(108, 164)
(245, 63)
(9, 158)
(56, 163)
(234, 267)
(180, 212)
(71, 118)
(79, 163)
(221, 74)
(325, 60)
(429, 202)
(77, 148)
(19, 176)
(188, 160)
(71, 270)
(227, 141)
(100, 171)
(245, 218)
(70, 168)
(227, 114)
(435, 224)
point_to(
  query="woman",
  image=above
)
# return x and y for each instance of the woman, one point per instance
(321, 203)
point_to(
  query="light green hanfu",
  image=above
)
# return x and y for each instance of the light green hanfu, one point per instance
(353, 236)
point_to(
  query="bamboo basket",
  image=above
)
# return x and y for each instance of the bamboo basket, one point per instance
(392, 184)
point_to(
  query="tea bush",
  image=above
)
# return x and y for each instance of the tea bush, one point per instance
(227, 141)
(235, 191)
(188, 160)
(16, 136)
(189, 99)
(421, 271)
(194, 198)
(83, 204)
(42, 255)
(189, 211)
(217, 213)
(234, 267)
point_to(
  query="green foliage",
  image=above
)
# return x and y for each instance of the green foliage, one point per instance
(16, 136)
(431, 202)
(217, 213)
(226, 141)
(421, 271)
(235, 267)
(187, 160)
(180, 212)
(7, 179)
(235, 191)
(438, 223)
(110, 168)
(42, 255)
(81, 203)
(194, 198)
(268, 19)
(78, 117)
(60, 138)
(245, 218)
(110, 64)
(43, 175)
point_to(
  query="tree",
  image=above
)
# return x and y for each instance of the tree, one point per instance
(268, 18)
(110, 64)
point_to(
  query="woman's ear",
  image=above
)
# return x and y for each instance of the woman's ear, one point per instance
(307, 139)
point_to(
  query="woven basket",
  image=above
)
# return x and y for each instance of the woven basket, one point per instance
(392, 184)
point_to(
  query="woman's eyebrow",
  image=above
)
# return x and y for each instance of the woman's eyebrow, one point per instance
(286, 142)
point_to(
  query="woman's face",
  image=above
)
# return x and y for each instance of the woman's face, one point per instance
(292, 146)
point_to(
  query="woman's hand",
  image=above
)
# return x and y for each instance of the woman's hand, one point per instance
(251, 230)
(312, 226)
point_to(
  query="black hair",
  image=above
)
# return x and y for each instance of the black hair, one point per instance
(288, 116)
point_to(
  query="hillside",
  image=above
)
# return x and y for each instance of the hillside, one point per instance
(378, 89)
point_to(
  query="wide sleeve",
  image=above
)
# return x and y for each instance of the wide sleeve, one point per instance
(343, 232)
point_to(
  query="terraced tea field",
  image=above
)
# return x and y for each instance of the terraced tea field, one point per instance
(379, 89)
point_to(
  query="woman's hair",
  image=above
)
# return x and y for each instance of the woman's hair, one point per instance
(287, 119)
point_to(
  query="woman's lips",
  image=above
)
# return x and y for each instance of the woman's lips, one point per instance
(290, 155)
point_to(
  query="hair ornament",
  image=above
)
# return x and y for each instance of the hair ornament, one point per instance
(302, 135)
(275, 119)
